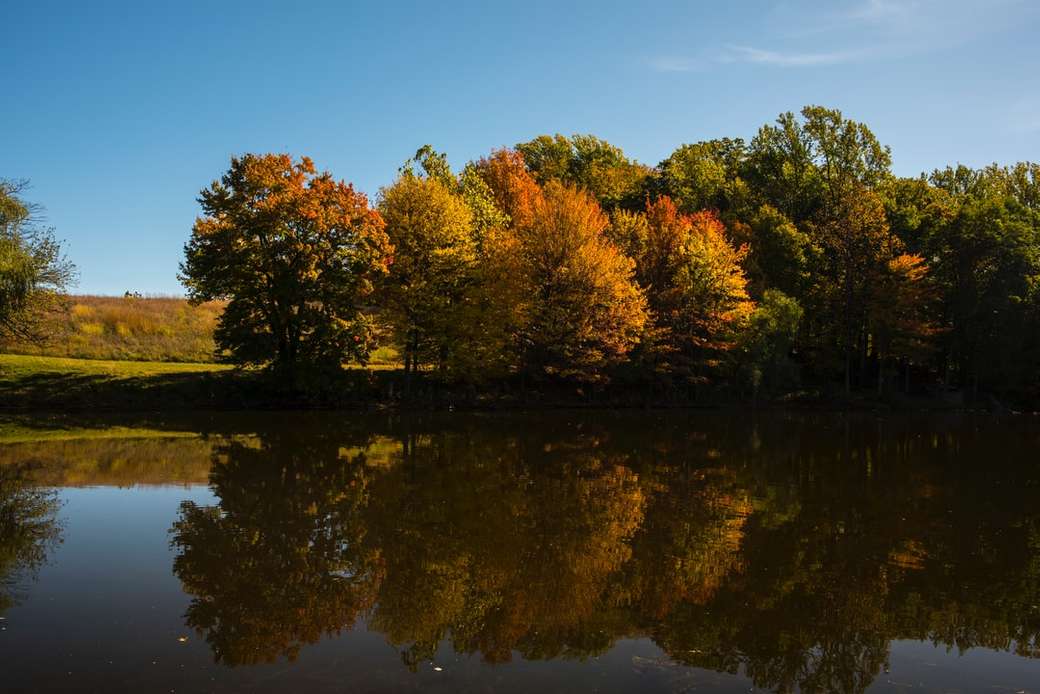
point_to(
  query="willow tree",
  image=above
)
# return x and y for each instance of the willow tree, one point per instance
(294, 253)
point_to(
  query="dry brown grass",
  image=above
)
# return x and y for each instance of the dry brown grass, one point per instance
(118, 328)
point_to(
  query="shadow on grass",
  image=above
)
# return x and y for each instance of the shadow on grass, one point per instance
(181, 392)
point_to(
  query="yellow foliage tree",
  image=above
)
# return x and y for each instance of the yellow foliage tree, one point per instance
(577, 309)
(432, 276)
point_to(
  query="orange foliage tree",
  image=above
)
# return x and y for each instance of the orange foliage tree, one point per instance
(903, 316)
(294, 253)
(694, 282)
(576, 308)
(515, 190)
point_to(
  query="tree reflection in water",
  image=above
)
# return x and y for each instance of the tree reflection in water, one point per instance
(789, 548)
(29, 529)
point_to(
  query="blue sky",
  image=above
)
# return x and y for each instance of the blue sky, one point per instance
(119, 114)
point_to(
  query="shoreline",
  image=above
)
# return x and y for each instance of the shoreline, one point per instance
(65, 386)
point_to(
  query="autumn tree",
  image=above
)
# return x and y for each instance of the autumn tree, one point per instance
(577, 310)
(514, 190)
(433, 274)
(34, 273)
(452, 225)
(694, 282)
(903, 321)
(711, 291)
(294, 253)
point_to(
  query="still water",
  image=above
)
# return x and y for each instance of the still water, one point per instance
(564, 552)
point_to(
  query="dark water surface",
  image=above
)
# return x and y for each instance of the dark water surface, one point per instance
(564, 552)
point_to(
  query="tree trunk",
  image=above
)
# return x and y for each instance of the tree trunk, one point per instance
(881, 376)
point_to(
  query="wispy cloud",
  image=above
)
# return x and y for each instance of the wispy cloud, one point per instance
(748, 54)
(754, 56)
(862, 30)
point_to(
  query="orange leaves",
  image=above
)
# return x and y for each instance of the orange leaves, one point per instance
(576, 308)
(294, 251)
(515, 190)
(903, 306)
(909, 266)
(692, 276)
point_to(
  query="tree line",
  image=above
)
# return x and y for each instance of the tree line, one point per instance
(794, 259)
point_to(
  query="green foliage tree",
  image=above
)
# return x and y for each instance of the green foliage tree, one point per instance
(780, 255)
(918, 212)
(800, 165)
(34, 273)
(705, 175)
(767, 342)
(989, 265)
(294, 253)
(585, 161)
(857, 246)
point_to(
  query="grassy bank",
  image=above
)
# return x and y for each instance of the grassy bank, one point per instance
(146, 329)
(59, 384)
(127, 328)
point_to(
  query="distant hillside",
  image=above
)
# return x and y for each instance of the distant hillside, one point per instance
(133, 328)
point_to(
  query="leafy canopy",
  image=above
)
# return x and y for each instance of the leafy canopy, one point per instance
(294, 253)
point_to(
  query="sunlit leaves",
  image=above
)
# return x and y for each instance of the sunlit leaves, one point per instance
(294, 252)
(34, 273)
(578, 309)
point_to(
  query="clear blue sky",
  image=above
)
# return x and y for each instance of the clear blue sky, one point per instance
(119, 114)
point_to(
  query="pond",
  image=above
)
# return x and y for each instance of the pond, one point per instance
(556, 552)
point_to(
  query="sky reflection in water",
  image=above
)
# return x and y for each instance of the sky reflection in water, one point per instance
(563, 552)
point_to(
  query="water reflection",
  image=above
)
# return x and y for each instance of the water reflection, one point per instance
(792, 549)
(29, 528)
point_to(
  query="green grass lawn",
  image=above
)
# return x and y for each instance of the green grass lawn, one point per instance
(60, 384)
(14, 366)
